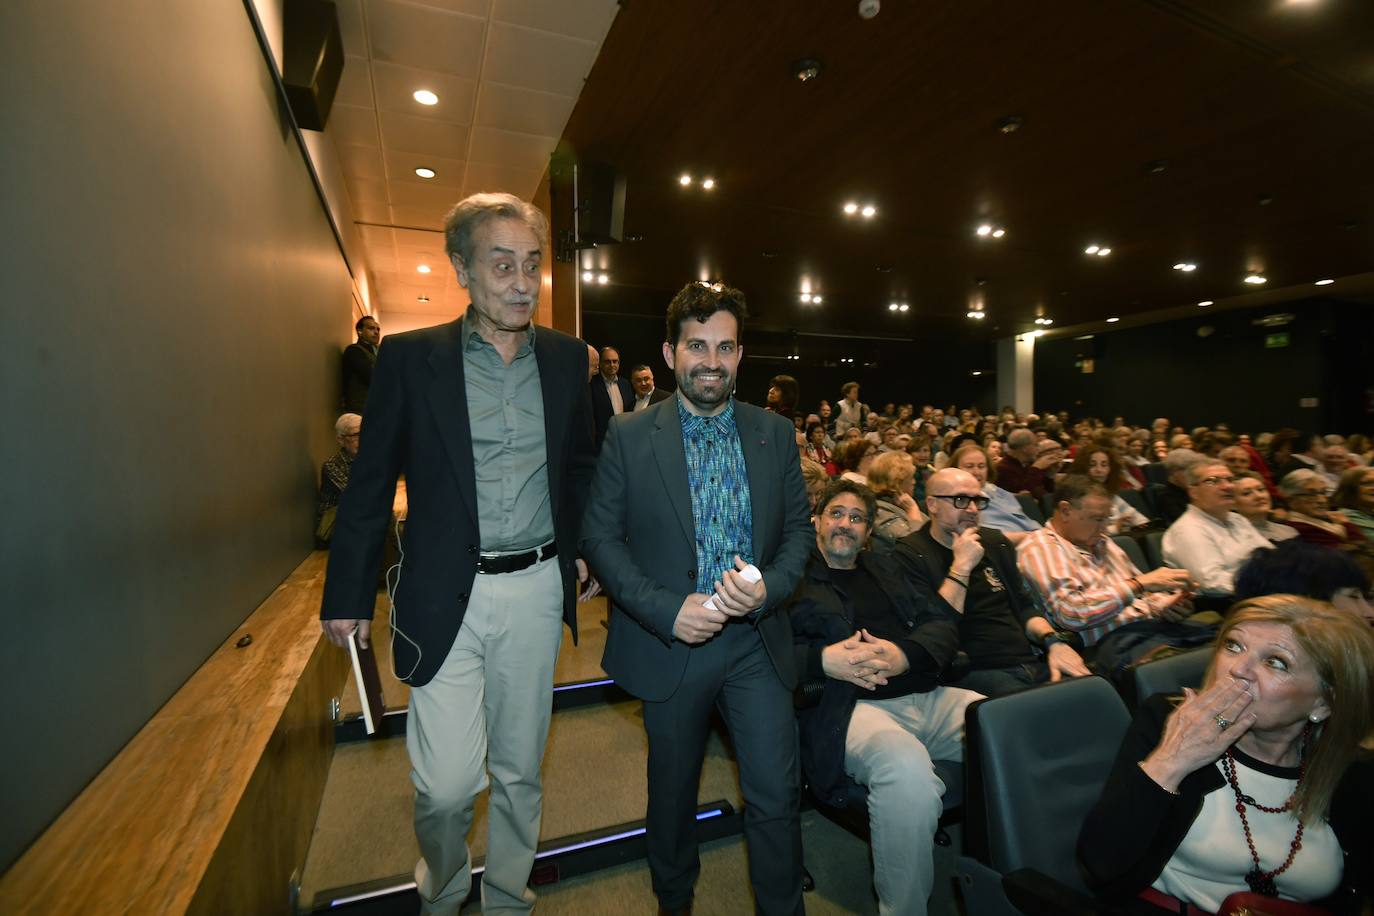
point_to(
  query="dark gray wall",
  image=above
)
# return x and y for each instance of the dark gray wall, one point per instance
(174, 307)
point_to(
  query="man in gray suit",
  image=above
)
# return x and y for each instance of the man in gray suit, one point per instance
(687, 493)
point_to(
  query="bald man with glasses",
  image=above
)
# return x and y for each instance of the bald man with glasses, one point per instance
(973, 570)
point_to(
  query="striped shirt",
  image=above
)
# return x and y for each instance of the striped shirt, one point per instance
(1085, 590)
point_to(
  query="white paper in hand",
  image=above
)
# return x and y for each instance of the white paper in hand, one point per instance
(749, 573)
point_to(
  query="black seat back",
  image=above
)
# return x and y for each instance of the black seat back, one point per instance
(1154, 550)
(1031, 507)
(1035, 765)
(1172, 674)
(1136, 500)
(1132, 549)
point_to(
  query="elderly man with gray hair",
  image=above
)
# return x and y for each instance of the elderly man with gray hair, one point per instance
(1211, 540)
(1172, 501)
(1309, 512)
(1023, 469)
(334, 476)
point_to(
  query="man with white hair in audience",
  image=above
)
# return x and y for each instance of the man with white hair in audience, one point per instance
(1211, 540)
(334, 475)
(1335, 462)
(1173, 500)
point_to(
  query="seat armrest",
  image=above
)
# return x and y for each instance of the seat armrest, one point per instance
(1037, 894)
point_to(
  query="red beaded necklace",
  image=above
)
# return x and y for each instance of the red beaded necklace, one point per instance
(1261, 881)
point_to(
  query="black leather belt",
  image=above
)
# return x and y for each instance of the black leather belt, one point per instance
(514, 562)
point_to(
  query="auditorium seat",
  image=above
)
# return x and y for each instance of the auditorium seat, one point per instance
(1170, 675)
(1031, 507)
(1136, 500)
(1156, 472)
(1035, 763)
(1154, 550)
(1132, 548)
(1050, 502)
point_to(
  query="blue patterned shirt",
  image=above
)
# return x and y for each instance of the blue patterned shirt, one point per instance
(721, 512)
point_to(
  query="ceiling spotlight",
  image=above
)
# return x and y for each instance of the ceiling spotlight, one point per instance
(425, 97)
(423, 268)
(806, 69)
(1091, 249)
(1323, 282)
(805, 297)
(998, 233)
(869, 211)
(851, 208)
(1103, 252)
(985, 230)
(421, 298)
(892, 306)
(976, 372)
(1186, 266)
(903, 307)
(708, 183)
(1205, 302)
(1009, 125)
(1113, 320)
(603, 279)
(1256, 280)
(684, 180)
(816, 299)
(588, 276)
(424, 172)
(1040, 333)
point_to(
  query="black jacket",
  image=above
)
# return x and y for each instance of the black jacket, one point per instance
(1136, 826)
(358, 362)
(930, 642)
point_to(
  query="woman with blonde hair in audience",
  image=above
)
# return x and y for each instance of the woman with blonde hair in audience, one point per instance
(815, 477)
(891, 477)
(853, 457)
(1253, 502)
(1354, 498)
(1102, 465)
(1251, 785)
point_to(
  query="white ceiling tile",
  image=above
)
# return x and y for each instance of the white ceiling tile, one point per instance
(351, 26)
(401, 166)
(367, 190)
(484, 176)
(426, 38)
(353, 126)
(362, 161)
(355, 85)
(517, 151)
(537, 60)
(524, 110)
(370, 211)
(424, 135)
(588, 19)
(419, 217)
(470, 7)
(395, 85)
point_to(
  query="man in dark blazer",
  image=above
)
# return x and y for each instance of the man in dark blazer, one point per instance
(642, 381)
(686, 494)
(488, 419)
(359, 359)
(611, 394)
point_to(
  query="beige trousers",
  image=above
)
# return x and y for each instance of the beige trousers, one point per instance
(486, 710)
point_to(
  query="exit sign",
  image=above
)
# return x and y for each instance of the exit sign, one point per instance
(1273, 341)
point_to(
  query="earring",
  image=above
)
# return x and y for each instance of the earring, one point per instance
(1314, 719)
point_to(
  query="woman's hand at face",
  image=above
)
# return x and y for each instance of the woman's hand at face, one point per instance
(1199, 731)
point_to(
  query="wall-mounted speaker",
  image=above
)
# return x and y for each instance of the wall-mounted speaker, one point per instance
(313, 59)
(600, 204)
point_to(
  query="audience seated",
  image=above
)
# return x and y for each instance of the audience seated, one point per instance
(334, 476)
(1172, 501)
(815, 478)
(1308, 512)
(817, 450)
(891, 476)
(919, 450)
(1307, 451)
(1086, 582)
(1003, 511)
(1102, 466)
(1355, 499)
(1009, 643)
(1021, 470)
(853, 457)
(1252, 502)
(1296, 567)
(1210, 539)
(876, 648)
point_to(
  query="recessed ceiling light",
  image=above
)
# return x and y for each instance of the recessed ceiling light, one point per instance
(1186, 266)
(708, 183)
(985, 230)
(806, 69)
(805, 297)
(976, 372)
(1205, 302)
(603, 279)
(869, 211)
(1091, 249)
(1103, 252)
(421, 298)
(1113, 320)
(684, 180)
(425, 97)
(1256, 280)
(588, 276)
(892, 306)
(816, 299)
(424, 172)
(1324, 282)
(851, 208)
(423, 268)
(903, 307)
(998, 233)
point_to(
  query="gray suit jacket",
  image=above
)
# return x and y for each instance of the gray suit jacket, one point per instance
(638, 536)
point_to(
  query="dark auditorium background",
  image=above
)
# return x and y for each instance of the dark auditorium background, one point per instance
(180, 279)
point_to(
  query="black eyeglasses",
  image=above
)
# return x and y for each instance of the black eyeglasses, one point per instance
(961, 501)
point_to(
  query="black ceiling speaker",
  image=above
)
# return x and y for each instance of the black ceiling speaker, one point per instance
(600, 205)
(313, 59)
